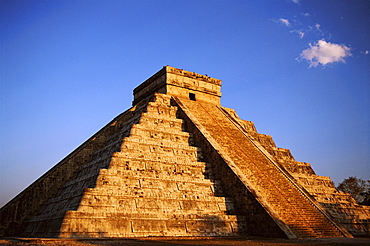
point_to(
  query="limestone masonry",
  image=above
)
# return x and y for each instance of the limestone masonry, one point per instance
(179, 164)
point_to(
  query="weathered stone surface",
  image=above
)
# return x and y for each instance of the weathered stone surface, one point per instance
(179, 164)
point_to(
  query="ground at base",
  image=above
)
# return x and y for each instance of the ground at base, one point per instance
(218, 241)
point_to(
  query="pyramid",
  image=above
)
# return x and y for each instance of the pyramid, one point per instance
(179, 164)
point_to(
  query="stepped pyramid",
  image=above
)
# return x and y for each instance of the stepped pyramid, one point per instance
(179, 164)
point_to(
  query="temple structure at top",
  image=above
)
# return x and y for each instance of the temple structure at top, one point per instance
(181, 83)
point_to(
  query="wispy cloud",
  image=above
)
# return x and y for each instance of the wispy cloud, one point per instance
(301, 33)
(323, 53)
(295, 1)
(306, 14)
(284, 21)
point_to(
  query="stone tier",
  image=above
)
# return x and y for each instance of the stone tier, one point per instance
(142, 225)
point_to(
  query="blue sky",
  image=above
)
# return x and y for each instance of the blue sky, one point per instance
(298, 69)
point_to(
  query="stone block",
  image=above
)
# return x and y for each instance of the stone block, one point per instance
(148, 226)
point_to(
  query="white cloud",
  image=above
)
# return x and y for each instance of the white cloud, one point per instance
(284, 21)
(295, 1)
(324, 53)
(366, 52)
(299, 32)
(318, 27)
(306, 14)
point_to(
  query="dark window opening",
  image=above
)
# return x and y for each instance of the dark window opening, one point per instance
(192, 96)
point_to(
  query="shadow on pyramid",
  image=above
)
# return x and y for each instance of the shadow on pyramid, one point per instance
(179, 164)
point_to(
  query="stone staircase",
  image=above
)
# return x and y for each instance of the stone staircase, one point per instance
(292, 209)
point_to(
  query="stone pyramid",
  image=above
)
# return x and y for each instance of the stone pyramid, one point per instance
(179, 164)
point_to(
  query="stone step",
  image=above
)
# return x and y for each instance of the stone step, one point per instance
(169, 172)
(201, 195)
(115, 225)
(150, 146)
(165, 143)
(140, 164)
(149, 119)
(161, 110)
(216, 216)
(106, 178)
(152, 157)
(204, 193)
(139, 129)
